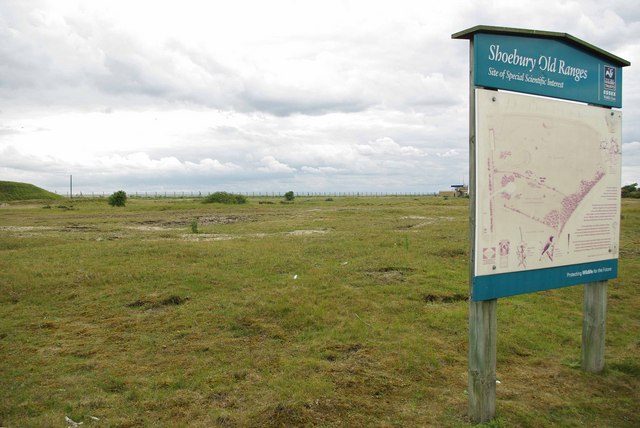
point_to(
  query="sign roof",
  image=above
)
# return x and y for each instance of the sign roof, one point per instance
(581, 44)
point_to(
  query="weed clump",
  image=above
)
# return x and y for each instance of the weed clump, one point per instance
(225, 198)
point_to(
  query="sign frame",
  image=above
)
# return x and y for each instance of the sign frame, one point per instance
(531, 43)
(548, 173)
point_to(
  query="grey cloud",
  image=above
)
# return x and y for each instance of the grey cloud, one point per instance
(12, 158)
(285, 104)
(128, 77)
(351, 106)
(631, 162)
(628, 11)
(8, 131)
(58, 59)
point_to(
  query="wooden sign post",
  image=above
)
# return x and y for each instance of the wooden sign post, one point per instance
(594, 326)
(544, 183)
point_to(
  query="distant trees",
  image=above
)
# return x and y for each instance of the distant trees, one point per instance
(289, 196)
(631, 191)
(118, 199)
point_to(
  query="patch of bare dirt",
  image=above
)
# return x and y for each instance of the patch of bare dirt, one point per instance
(389, 274)
(23, 228)
(223, 237)
(207, 237)
(427, 221)
(444, 298)
(147, 228)
(222, 219)
(172, 300)
(307, 232)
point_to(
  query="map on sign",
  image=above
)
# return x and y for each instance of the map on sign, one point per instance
(548, 183)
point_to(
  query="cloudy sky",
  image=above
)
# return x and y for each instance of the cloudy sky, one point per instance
(263, 96)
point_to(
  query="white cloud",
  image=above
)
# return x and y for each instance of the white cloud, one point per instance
(631, 162)
(319, 170)
(385, 146)
(272, 165)
(136, 162)
(449, 153)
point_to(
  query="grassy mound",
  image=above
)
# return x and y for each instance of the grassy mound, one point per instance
(12, 191)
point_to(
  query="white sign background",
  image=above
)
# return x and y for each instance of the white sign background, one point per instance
(547, 182)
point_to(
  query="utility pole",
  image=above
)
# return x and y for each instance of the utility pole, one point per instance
(70, 186)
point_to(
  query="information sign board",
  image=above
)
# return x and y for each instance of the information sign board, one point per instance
(547, 194)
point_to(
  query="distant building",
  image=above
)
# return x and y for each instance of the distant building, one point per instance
(459, 191)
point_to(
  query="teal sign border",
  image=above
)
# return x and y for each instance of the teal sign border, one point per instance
(547, 67)
(555, 65)
(509, 284)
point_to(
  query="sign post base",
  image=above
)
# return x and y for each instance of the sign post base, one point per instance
(594, 326)
(482, 360)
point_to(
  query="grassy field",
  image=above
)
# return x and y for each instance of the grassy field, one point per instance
(345, 312)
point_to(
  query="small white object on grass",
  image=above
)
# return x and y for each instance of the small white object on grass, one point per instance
(71, 422)
(295, 276)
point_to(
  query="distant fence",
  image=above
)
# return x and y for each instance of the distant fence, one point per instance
(177, 195)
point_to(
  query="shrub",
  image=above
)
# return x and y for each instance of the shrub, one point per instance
(225, 198)
(118, 199)
(289, 196)
(631, 191)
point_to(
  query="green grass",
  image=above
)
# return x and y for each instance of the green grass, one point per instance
(348, 312)
(13, 191)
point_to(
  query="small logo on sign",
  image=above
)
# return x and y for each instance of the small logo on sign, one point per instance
(609, 72)
(489, 253)
(609, 87)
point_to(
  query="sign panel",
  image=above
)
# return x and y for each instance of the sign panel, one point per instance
(547, 193)
(548, 67)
